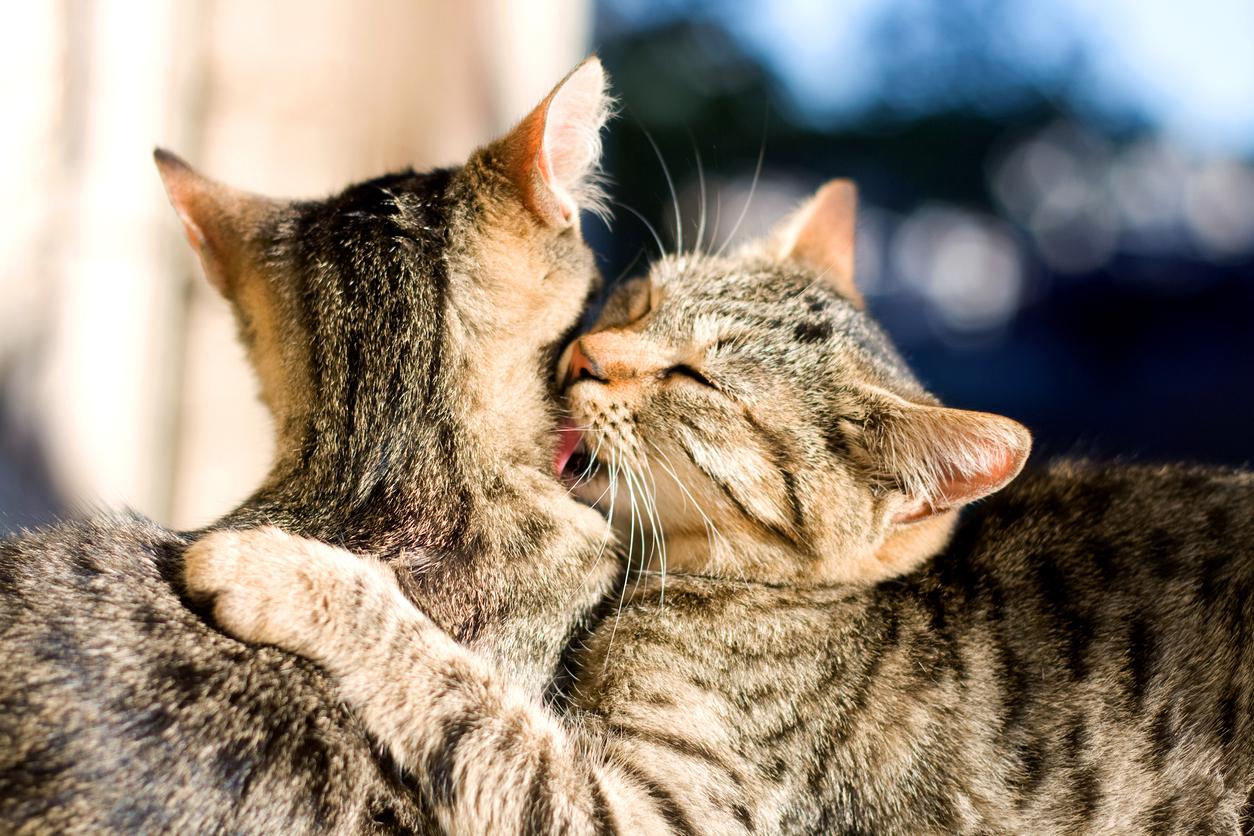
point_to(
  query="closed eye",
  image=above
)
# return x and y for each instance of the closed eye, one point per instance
(683, 370)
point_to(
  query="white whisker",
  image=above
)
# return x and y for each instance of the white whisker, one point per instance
(670, 184)
(744, 210)
(711, 529)
(699, 244)
(590, 467)
(622, 594)
(659, 535)
(632, 482)
(637, 520)
(623, 273)
(718, 214)
(657, 239)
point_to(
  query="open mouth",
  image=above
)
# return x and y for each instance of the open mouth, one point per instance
(573, 463)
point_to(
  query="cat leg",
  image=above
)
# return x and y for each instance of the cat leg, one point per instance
(489, 757)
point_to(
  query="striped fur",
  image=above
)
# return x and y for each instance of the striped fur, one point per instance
(404, 333)
(1067, 665)
(1071, 656)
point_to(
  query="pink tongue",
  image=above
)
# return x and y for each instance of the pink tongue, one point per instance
(567, 440)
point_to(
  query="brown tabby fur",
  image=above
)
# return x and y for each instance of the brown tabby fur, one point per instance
(1075, 658)
(404, 332)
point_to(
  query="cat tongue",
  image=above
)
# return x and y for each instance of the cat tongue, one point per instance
(568, 438)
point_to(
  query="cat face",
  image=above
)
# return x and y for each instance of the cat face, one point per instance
(749, 411)
(404, 329)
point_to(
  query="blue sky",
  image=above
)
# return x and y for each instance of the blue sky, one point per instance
(1190, 64)
(1187, 67)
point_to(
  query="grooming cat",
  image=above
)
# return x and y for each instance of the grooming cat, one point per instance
(404, 332)
(833, 651)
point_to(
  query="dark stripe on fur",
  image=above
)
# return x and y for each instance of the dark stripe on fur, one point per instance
(784, 462)
(602, 817)
(667, 806)
(687, 748)
(1141, 661)
(538, 810)
(442, 761)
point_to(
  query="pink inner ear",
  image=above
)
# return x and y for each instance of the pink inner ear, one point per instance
(949, 457)
(572, 144)
(194, 236)
(999, 466)
(823, 236)
(954, 488)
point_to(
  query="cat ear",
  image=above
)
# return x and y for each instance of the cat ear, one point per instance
(219, 221)
(820, 236)
(552, 155)
(940, 458)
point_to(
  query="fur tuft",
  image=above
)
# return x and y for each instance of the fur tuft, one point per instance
(577, 114)
(946, 457)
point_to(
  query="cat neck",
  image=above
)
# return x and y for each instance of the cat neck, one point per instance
(448, 479)
(507, 415)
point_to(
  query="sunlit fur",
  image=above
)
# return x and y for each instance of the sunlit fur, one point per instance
(404, 332)
(1075, 658)
(767, 425)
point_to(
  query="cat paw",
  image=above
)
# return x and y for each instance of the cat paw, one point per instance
(270, 587)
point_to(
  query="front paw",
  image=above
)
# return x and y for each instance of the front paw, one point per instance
(270, 587)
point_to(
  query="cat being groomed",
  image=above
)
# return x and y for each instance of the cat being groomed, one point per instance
(832, 649)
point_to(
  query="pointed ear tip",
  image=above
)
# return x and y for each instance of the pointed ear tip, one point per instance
(167, 160)
(591, 64)
(1022, 435)
(842, 189)
(1025, 441)
(1017, 448)
(177, 176)
(589, 76)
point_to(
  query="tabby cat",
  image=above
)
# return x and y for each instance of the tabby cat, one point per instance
(404, 332)
(833, 650)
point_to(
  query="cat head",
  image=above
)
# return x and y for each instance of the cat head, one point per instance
(405, 328)
(765, 424)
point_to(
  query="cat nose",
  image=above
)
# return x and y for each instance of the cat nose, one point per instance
(582, 367)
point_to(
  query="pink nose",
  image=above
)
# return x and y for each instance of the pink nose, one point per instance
(582, 367)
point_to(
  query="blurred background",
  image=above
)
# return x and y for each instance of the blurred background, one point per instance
(1057, 219)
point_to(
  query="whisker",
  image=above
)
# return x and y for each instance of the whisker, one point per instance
(588, 471)
(711, 529)
(744, 210)
(632, 482)
(593, 459)
(605, 541)
(637, 520)
(670, 184)
(622, 274)
(803, 291)
(699, 244)
(657, 239)
(659, 535)
(622, 594)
